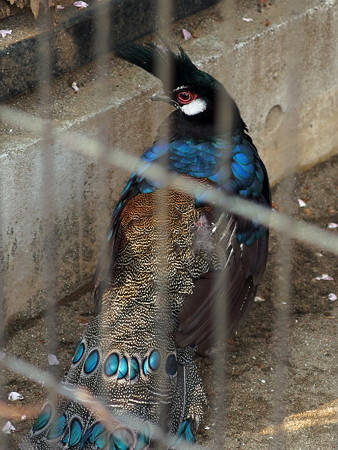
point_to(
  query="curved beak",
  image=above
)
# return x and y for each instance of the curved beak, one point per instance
(164, 98)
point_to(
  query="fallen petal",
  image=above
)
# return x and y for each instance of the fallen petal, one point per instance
(60, 7)
(259, 299)
(4, 32)
(14, 396)
(52, 360)
(80, 4)
(186, 34)
(332, 225)
(332, 297)
(75, 87)
(8, 428)
(301, 203)
(325, 277)
(247, 19)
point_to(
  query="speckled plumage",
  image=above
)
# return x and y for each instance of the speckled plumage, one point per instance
(134, 321)
(155, 286)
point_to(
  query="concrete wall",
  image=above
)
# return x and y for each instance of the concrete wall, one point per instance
(55, 203)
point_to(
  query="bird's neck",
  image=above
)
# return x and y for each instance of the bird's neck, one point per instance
(204, 128)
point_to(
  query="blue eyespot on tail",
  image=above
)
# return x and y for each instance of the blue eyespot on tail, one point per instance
(96, 435)
(79, 352)
(57, 428)
(91, 362)
(184, 433)
(121, 439)
(73, 434)
(43, 419)
(142, 442)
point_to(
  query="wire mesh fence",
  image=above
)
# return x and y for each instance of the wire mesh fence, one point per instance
(49, 134)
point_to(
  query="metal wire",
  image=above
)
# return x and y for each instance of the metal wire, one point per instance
(47, 194)
(219, 408)
(3, 438)
(161, 229)
(281, 350)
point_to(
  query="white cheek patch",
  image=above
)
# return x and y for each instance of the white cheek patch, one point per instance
(195, 107)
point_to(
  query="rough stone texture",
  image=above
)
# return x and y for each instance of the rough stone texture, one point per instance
(56, 202)
(72, 37)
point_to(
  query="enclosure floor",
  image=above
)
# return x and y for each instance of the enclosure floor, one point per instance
(311, 396)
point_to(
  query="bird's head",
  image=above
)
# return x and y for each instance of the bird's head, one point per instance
(194, 92)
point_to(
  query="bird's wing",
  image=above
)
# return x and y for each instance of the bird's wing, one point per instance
(235, 285)
(246, 248)
(136, 184)
(106, 263)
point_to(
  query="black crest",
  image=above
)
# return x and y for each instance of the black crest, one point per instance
(172, 69)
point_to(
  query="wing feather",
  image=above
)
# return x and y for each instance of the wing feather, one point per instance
(236, 284)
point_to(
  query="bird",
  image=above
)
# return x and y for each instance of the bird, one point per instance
(164, 267)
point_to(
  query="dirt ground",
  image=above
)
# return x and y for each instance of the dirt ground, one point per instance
(260, 377)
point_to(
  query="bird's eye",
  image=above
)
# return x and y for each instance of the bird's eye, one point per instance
(185, 97)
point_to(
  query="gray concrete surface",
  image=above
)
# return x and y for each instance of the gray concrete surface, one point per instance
(73, 36)
(56, 203)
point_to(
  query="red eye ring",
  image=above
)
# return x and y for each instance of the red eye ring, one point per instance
(185, 97)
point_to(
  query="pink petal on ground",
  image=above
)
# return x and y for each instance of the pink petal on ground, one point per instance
(332, 225)
(80, 4)
(52, 360)
(14, 396)
(60, 7)
(325, 277)
(75, 87)
(8, 428)
(301, 203)
(4, 32)
(332, 297)
(186, 34)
